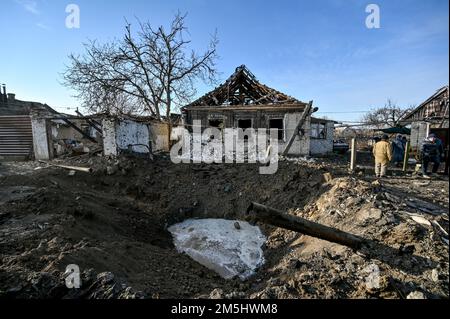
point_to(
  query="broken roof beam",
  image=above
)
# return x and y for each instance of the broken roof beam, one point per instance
(92, 123)
(76, 128)
(240, 87)
(271, 216)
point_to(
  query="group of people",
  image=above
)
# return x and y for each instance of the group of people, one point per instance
(431, 151)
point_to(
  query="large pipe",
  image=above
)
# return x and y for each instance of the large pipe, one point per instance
(277, 218)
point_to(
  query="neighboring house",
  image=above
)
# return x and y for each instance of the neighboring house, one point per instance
(23, 125)
(243, 102)
(16, 138)
(430, 117)
(11, 106)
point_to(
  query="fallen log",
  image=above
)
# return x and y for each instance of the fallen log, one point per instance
(277, 218)
(74, 168)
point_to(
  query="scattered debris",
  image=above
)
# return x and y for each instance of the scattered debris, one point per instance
(416, 295)
(420, 220)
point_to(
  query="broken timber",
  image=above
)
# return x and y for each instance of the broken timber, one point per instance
(306, 112)
(76, 128)
(92, 122)
(277, 218)
(73, 168)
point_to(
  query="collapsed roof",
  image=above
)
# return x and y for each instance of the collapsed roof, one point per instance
(242, 88)
(440, 109)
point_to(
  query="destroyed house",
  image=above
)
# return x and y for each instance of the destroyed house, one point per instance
(431, 116)
(243, 102)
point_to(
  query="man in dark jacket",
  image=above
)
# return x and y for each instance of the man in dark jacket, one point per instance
(398, 150)
(431, 152)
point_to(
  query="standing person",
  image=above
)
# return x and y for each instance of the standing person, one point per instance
(398, 149)
(431, 151)
(383, 155)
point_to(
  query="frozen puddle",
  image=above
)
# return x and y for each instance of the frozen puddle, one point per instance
(229, 247)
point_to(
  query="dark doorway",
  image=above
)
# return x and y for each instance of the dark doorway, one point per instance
(244, 124)
(278, 124)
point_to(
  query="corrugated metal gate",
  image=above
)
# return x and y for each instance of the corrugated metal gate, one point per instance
(16, 137)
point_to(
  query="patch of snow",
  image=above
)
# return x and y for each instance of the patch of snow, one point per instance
(221, 246)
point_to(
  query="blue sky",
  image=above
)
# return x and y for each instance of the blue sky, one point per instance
(313, 50)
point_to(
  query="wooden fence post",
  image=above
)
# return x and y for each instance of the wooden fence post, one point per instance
(353, 155)
(405, 160)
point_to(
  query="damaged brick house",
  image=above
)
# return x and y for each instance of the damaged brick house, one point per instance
(243, 102)
(430, 116)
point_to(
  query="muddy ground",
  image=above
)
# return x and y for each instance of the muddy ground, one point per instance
(113, 222)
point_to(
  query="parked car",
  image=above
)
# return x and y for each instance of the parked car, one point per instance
(340, 146)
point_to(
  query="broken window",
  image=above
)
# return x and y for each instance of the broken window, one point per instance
(279, 125)
(216, 123)
(318, 130)
(244, 124)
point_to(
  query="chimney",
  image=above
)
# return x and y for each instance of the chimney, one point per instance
(3, 94)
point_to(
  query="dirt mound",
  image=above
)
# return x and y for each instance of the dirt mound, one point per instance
(404, 256)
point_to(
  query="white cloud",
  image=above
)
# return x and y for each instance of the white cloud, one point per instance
(30, 6)
(43, 26)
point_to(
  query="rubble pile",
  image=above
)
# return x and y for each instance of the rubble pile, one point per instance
(409, 257)
(44, 285)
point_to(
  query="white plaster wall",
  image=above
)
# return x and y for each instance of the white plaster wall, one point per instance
(118, 134)
(40, 139)
(130, 132)
(323, 146)
(109, 137)
(300, 146)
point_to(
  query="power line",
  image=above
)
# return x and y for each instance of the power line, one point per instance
(343, 112)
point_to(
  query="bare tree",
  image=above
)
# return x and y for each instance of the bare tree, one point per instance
(390, 115)
(151, 71)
